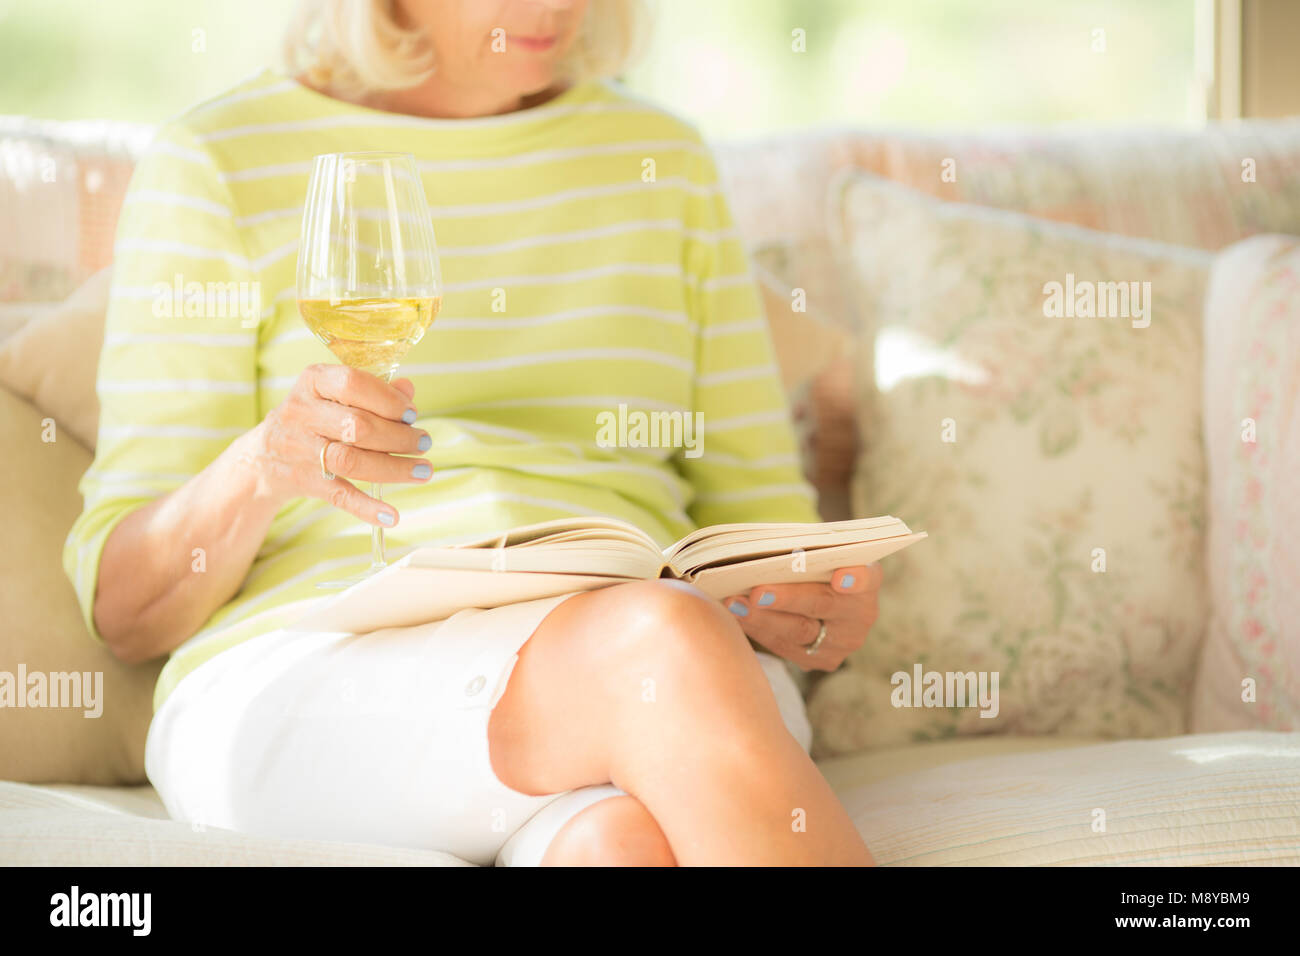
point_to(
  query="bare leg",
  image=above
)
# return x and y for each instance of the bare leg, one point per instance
(653, 687)
(617, 831)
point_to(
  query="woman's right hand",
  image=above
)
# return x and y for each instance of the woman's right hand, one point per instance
(367, 424)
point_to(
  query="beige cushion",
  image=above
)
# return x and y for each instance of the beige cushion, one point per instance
(1252, 329)
(52, 360)
(1071, 434)
(14, 315)
(805, 343)
(815, 350)
(43, 631)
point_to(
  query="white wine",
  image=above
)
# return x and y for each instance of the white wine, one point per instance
(370, 334)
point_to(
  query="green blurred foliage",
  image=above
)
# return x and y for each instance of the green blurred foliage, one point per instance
(726, 64)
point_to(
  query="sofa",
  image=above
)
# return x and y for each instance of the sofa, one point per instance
(1109, 488)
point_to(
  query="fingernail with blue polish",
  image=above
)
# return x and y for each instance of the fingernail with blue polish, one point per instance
(386, 518)
(766, 598)
(738, 609)
(847, 581)
(421, 471)
(408, 416)
(425, 443)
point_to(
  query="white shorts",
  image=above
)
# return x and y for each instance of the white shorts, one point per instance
(379, 738)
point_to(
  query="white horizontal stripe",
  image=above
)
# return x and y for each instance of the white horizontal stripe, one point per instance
(559, 238)
(269, 215)
(174, 248)
(511, 207)
(215, 298)
(291, 334)
(670, 480)
(549, 358)
(768, 461)
(564, 155)
(180, 152)
(666, 270)
(288, 249)
(206, 340)
(734, 328)
(491, 323)
(273, 89)
(96, 497)
(175, 201)
(175, 385)
(712, 235)
(496, 324)
(504, 362)
(578, 275)
(118, 477)
(437, 167)
(749, 494)
(726, 282)
(273, 382)
(736, 375)
(523, 437)
(749, 421)
(266, 172)
(127, 432)
(602, 402)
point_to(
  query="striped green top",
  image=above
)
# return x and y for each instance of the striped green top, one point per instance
(590, 262)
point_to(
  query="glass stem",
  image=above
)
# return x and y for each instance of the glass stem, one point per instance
(377, 559)
(377, 534)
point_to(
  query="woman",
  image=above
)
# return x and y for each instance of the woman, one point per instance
(591, 261)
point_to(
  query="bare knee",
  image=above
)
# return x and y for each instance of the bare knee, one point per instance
(618, 831)
(668, 622)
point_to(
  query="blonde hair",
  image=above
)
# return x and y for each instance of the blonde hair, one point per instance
(355, 47)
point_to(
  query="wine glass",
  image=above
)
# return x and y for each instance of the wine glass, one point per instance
(369, 282)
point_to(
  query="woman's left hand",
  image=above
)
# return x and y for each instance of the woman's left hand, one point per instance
(786, 618)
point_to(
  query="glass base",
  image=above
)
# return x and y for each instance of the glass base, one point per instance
(344, 583)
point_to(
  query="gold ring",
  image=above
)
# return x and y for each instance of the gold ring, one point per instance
(329, 475)
(817, 642)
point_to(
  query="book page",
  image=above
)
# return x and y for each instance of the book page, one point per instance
(762, 529)
(817, 565)
(742, 542)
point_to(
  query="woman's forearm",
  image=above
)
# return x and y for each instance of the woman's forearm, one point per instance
(168, 566)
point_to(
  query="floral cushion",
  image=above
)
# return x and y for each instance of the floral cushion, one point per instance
(1250, 672)
(1055, 461)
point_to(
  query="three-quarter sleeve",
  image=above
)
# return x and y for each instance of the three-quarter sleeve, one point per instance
(177, 377)
(749, 468)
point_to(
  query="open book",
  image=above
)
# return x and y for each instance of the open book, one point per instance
(581, 554)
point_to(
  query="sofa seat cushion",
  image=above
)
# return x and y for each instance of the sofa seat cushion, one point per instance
(127, 826)
(1196, 800)
(1211, 799)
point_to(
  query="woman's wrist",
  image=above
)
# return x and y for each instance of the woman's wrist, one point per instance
(255, 469)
